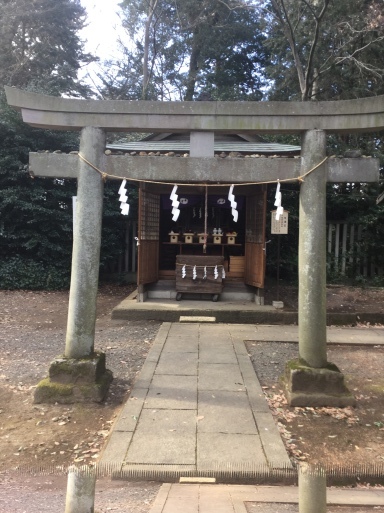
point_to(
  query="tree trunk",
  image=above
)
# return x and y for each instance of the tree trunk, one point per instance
(193, 67)
(148, 24)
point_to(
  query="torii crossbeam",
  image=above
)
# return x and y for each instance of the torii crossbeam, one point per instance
(313, 120)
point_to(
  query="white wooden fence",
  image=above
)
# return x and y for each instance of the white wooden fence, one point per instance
(344, 246)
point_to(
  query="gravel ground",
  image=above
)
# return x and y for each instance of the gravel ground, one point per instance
(269, 358)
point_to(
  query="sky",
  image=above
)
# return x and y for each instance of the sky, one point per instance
(103, 28)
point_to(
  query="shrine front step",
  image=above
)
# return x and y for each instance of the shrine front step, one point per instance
(233, 291)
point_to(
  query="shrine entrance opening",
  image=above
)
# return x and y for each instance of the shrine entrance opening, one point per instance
(205, 227)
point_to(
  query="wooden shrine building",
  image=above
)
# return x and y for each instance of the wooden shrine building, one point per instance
(241, 243)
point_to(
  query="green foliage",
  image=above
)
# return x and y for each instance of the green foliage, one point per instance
(25, 273)
(185, 47)
(40, 48)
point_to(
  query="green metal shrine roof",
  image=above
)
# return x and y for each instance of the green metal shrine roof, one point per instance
(220, 146)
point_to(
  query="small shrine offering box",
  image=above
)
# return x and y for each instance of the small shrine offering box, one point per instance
(202, 238)
(279, 226)
(173, 237)
(217, 239)
(231, 238)
(188, 238)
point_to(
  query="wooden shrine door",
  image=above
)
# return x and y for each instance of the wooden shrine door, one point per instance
(255, 220)
(148, 250)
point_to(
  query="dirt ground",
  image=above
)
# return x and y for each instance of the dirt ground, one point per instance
(347, 437)
(49, 436)
(340, 298)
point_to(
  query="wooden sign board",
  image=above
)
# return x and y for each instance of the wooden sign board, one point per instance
(281, 226)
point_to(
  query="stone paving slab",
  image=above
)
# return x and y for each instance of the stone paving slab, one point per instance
(220, 376)
(178, 363)
(225, 412)
(273, 446)
(221, 449)
(172, 393)
(130, 413)
(164, 436)
(219, 354)
(231, 498)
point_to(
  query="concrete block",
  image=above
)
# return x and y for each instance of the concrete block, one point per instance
(309, 386)
(72, 370)
(195, 318)
(48, 391)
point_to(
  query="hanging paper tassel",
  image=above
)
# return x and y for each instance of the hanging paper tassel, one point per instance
(124, 207)
(175, 204)
(194, 273)
(223, 273)
(205, 273)
(279, 210)
(216, 273)
(231, 199)
(194, 212)
(183, 272)
(200, 213)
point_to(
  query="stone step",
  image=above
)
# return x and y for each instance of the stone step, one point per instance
(233, 291)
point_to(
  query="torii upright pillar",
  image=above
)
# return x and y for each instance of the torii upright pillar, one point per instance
(312, 380)
(81, 374)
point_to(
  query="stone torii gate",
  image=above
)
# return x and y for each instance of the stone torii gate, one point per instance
(81, 374)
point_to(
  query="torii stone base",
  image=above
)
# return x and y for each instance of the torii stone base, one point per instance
(75, 380)
(310, 386)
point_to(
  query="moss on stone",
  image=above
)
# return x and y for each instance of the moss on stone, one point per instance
(300, 363)
(49, 392)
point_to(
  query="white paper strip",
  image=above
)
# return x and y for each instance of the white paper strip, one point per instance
(175, 214)
(124, 209)
(122, 187)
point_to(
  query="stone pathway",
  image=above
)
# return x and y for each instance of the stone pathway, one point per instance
(203, 498)
(197, 406)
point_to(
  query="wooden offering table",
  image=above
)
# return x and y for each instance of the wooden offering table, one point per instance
(199, 274)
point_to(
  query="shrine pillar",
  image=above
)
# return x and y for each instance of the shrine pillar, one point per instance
(312, 251)
(86, 246)
(80, 375)
(311, 380)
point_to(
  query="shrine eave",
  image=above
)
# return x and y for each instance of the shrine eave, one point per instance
(358, 115)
